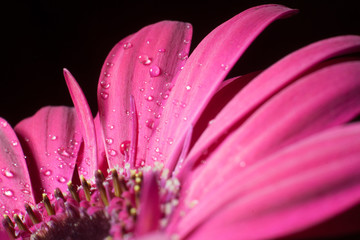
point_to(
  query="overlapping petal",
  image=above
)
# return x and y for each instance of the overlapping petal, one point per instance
(318, 176)
(51, 140)
(88, 162)
(205, 69)
(318, 101)
(144, 66)
(15, 184)
(268, 83)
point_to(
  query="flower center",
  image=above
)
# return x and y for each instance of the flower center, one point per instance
(108, 208)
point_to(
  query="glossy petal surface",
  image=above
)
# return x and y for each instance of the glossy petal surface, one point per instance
(88, 163)
(51, 140)
(16, 188)
(328, 162)
(144, 66)
(204, 71)
(268, 83)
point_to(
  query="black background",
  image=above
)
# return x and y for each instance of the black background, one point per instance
(40, 38)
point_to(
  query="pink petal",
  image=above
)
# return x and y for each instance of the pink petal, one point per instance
(143, 65)
(280, 199)
(88, 163)
(149, 215)
(51, 140)
(226, 92)
(321, 100)
(16, 188)
(268, 83)
(203, 73)
(100, 142)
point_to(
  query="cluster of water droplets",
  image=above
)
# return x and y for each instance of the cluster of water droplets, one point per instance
(155, 90)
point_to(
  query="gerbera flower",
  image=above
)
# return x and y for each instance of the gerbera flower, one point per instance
(176, 152)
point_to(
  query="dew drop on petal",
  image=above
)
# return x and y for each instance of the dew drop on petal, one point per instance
(7, 173)
(150, 98)
(154, 71)
(162, 50)
(144, 59)
(182, 55)
(47, 172)
(3, 124)
(8, 193)
(104, 84)
(124, 147)
(104, 95)
(224, 67)
(109, 141)
(61, 179)
(127, 45)
(188, 87)
(170, 141)
(150, 123)
(112, 152)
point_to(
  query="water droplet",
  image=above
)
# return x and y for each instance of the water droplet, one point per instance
(111, 127)
(183, 55)
(62, 151)
(127, 45)
(162, 50)
(26, 191)
(109, 141)
(112, 152)
(124, 147)
(150, 98)
(61, 179)
(170, 141)
(188, 87)
(8, 193)
(7, 173)
(224, 67)
(141, 89)
(154, 71)
(4, 124)
(104, 95)
(47, 172)
(104, 84)
(150, 123)
(165, 96)
(186, 41)
(144, 59)
(52, 137)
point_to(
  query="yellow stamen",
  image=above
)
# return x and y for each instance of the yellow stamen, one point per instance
(58, 193)
(31, 214)
(49, 209)
(73, 191)
(86, 188)
(99, 185)
(116, 183)
(20, 224)
(9, 227)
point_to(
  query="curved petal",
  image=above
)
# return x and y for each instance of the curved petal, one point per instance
(220, 100)
(203, 73)
(321, 100)
(16, 187)
(88, 163)
(149, 208)
(268, 83)
(143, 66)
(280, 199)
(100, 143)
(51, 140)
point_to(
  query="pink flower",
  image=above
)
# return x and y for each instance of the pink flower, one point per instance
(265, 155)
